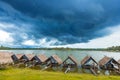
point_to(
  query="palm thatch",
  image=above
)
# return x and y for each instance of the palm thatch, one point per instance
(89, 63)
(108, 63)
(39, 58)
(104, 60)
(18, 55)
(5, 57)
(87, 59)
(54, 60)
(42, 57)
(72, 59)
(57, 59)
(119, 61)
(30, 56)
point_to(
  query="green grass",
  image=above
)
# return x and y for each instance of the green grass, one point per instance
(29, 74)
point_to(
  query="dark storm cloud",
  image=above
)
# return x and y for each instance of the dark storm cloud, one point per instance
(69, 21)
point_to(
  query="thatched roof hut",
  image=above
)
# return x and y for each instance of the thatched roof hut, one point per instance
(108, 63)
(39, 59)
(119, 61)
(88, 62)
(17, 58)
(70, 61)
(5, 57)
(104, 61)
(26, 57)
(23, 58)
(42, 57)
(19, 55)
(54, 60)
(30, 56)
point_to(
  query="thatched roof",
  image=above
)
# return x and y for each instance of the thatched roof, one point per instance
(29, 56)
(72, 59)
(19, 55)
(104, 60)
(5, 57)
(23, 57)
(57, 59)
(119, 61)
(42, 57)
(87, 58)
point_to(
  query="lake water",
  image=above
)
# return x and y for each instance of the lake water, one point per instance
(63, 54)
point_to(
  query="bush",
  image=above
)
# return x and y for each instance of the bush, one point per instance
(3, 67)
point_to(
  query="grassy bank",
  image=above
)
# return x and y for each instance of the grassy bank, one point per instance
(29, 74)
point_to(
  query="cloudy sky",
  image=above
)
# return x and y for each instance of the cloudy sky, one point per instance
(60, 23)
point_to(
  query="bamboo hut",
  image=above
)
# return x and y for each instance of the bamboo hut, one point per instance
(70, 62)
(5, 57)
(119, 65)
(19, 55)
(15, 58)
(30, 56)
(119, 61)
(108, 63)
(88, 62)
(28, 61)
(39, 59)
(53, 61)
(24, 58)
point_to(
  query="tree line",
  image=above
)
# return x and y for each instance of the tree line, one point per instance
(113, 48)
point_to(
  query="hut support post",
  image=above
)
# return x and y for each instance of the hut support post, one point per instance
(119, 67)
(68, 69)
(93, 71)
(46, 68)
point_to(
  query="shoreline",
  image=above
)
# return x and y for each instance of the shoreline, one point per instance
(63, 49)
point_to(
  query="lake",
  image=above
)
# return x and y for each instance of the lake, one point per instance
(63, 54)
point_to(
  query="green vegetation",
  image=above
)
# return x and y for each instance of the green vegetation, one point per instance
(61, 48)
(30, 74)
(3, 47)
(114, 48)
